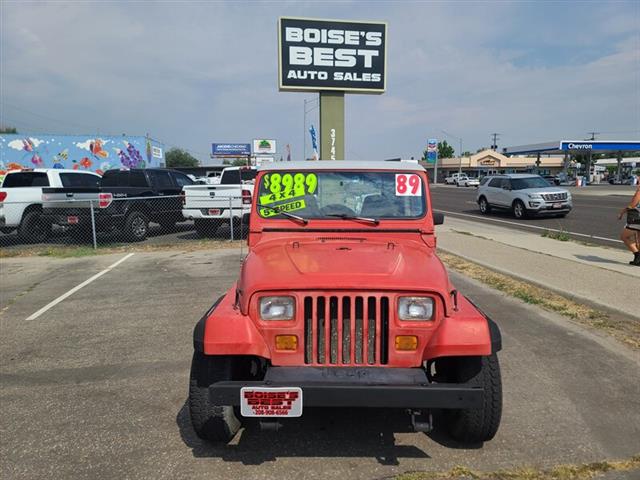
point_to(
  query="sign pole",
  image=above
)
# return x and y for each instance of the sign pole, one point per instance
(331, 125)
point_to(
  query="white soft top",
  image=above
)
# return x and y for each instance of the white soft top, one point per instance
(342, 165)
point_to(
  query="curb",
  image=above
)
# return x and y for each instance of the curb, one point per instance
(577, 298)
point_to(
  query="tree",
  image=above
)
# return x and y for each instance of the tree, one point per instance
(466, 153)
(445, 150)
(176, 157)
(4, 129)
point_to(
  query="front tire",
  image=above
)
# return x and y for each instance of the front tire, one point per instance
(484, 206)
(474, 425)
(216, 423)
(519, 210)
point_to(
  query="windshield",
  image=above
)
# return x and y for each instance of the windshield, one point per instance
(529, 182)
(327, 195)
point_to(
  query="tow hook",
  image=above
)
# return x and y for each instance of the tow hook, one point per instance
(421, 422)
(270, 425)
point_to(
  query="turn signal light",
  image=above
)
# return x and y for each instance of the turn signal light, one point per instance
(406, 342)
(286, 342)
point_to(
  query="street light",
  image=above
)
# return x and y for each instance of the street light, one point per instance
(460, 153)
(304, 138)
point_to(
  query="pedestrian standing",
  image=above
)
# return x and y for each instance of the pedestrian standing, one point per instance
(631, 232)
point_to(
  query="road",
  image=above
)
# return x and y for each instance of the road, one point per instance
(95, 387)
(594, 218)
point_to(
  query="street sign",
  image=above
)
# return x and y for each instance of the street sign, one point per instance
(318, 54)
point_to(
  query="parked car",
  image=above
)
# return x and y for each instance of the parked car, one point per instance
(551, 179)
(226, 203)
(21, 198)
(464, 181)
(453, 178)
(334, 307)
(524, 194)
(126, 201)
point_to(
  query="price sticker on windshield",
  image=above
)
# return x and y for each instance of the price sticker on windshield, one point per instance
(408, 185)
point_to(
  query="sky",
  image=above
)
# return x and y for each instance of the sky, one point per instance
(193, 73)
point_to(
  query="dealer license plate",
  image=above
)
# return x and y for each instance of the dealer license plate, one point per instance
(557, 205)
(271, 401)
(72, 220)
(214, 211)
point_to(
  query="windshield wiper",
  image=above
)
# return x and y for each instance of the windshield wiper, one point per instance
(345, 216)
(297, 218)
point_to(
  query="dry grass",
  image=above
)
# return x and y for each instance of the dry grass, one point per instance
(62, 251)
(561, 472)
(627, 332)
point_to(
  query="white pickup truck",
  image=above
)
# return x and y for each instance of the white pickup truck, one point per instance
(21, 198)
(227, 203)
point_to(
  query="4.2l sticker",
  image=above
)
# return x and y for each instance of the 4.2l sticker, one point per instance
(408, 185)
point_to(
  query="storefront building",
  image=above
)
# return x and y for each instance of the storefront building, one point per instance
(488, 162)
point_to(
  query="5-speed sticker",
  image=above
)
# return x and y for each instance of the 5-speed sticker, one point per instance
(285, 207)
(271, 401)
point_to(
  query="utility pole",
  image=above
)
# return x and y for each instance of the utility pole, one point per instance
(593, 135)
(494, 144)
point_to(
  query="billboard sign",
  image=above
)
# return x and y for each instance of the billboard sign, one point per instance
(264, 146)
(317, 54)
(432, 150)
(231, 149)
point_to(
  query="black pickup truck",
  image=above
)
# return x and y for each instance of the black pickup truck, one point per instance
(126, 201)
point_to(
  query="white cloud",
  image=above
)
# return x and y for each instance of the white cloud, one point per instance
(18, 144)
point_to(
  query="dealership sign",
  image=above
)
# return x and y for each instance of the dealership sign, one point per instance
(332, 55)
(264, 146)
(231, 149)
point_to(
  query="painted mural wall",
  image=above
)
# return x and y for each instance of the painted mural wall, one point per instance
(78, 152)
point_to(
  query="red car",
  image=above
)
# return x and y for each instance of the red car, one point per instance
(342, 302)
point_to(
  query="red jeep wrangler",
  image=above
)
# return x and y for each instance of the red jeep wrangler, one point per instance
(342, 302)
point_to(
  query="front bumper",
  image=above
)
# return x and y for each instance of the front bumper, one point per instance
(543, 207)
(358, 387)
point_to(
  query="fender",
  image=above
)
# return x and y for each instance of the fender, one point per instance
(226, 331)
(198, 331)
(467, 333)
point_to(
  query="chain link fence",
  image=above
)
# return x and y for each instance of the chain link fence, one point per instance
(102, 220)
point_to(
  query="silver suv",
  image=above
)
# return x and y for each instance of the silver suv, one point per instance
(524, 194)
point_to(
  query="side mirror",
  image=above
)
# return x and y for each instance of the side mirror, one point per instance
(438, 218)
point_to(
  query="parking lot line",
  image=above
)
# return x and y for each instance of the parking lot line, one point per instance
(476, 217)
(78, 287)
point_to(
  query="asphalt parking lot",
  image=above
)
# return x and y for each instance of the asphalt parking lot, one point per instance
(95, 386)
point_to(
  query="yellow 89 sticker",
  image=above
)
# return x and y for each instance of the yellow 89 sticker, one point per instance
(287, 186)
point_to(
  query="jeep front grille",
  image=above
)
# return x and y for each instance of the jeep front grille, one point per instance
(346, 329)
(552, 197)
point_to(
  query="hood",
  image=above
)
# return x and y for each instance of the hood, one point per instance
(543, 190)
(342, 264)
